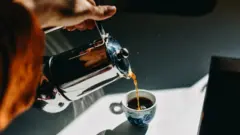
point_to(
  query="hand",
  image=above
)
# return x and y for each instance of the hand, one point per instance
(52, 13)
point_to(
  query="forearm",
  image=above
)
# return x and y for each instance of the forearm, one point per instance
(44, 9)
(30, 5)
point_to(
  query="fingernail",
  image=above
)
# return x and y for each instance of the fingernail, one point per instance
(111, 8)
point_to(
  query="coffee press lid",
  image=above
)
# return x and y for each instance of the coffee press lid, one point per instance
(118, 56)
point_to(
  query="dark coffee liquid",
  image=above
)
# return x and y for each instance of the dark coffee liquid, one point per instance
(145, 103)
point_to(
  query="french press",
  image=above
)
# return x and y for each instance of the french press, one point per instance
(73, 74)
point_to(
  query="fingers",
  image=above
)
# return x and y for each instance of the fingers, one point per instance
(83, 19)
(81, 26)
(102, 12)
(70, 28)
(88, 24)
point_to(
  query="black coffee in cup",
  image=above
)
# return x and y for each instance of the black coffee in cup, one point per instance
(144, 103)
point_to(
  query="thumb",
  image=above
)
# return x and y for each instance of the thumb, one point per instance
(102, 12)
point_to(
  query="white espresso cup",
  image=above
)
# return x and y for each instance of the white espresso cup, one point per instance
(136, 117)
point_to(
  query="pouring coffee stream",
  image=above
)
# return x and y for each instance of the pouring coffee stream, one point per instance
(134, 78)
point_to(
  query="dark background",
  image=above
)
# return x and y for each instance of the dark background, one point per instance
(170, 46)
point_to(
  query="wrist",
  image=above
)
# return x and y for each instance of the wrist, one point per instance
(30, 5)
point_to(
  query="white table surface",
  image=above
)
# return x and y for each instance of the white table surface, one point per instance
(178, 113)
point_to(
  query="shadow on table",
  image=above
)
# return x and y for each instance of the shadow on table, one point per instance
(125, 128)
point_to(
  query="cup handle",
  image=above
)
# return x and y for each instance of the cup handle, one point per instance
(116, 108)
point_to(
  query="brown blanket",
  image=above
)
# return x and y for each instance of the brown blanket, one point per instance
(21, 51)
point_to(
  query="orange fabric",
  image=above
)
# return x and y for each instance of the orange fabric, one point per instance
(25, 59)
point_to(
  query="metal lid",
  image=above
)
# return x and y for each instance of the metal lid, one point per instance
(118, 55)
